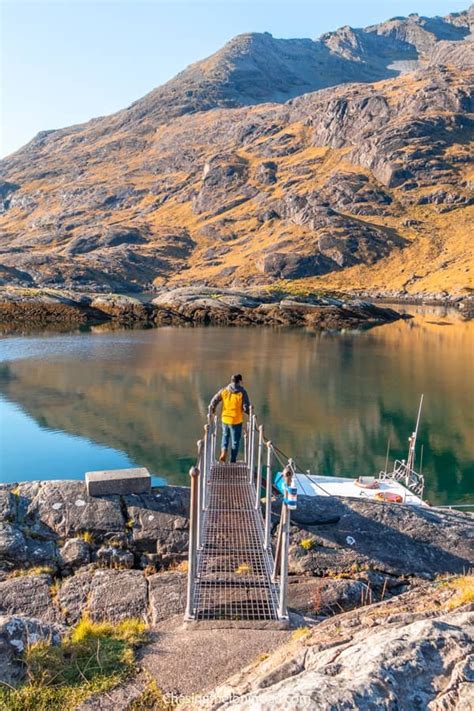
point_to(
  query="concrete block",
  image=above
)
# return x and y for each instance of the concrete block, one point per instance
(118, 481)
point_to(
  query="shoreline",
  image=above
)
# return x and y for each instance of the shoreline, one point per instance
(23, 309)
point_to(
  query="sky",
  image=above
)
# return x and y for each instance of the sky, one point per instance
(65, 61)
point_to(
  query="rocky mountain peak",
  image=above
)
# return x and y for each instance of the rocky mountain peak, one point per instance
(272, 158)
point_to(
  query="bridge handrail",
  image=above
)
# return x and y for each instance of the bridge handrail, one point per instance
(254, 448)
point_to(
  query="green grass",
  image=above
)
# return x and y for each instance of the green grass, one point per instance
(308, 544)
(87, 537)
(463, 587)
(35, 570)
(300, 633)
(151, 699)
(93, 659)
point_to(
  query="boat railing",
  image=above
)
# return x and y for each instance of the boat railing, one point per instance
(407, 476)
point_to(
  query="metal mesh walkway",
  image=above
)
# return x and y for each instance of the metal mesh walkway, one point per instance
(233, 576)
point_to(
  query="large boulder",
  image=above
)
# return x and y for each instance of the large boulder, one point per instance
(104, 594)
(343, 535)
(158, 522)
(65, 509)
(410, 652)
(28, 595)
(118, 595)
(167, 594)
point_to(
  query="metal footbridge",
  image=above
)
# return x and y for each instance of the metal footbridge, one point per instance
(234, 579)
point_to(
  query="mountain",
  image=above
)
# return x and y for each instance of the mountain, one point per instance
(343, 161)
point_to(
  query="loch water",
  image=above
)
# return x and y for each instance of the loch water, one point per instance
(101, 398)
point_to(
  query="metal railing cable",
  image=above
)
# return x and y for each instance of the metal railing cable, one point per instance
(282, 457)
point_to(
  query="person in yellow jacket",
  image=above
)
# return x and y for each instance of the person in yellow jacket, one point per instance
(235, 402)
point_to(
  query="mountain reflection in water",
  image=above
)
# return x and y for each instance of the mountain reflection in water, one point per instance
(330, 400)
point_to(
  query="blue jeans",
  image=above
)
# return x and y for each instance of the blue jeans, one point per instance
(234, 434)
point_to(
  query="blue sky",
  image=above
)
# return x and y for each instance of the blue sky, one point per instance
(65, 61)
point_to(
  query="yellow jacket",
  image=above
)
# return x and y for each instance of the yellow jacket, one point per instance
(235, 402)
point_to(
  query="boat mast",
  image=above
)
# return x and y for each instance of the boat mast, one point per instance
(386, 458)
(412, 443)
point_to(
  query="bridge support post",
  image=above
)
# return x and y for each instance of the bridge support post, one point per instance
(251, 444)
(285, 542)
(213, 442)
(206, 458)
(282, 548)
(268, 497)
(193, 529)
(199, 514)
(258, 484)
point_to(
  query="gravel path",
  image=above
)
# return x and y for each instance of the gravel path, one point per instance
(187, 662)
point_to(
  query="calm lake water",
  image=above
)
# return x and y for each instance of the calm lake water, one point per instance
(76, 402)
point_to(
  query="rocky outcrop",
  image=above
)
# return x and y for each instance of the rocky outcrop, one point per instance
(343, 535)
(57, 525)
(19, 309)
(110, 557)
(217, 306)
(118, 557)
(406, 653)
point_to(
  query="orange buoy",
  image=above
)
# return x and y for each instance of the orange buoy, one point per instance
(390, 496)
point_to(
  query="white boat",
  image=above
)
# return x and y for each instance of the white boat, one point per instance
(401, 485)
(381, 488)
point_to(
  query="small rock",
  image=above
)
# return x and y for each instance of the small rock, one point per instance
(111, 556)
(74, 553)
